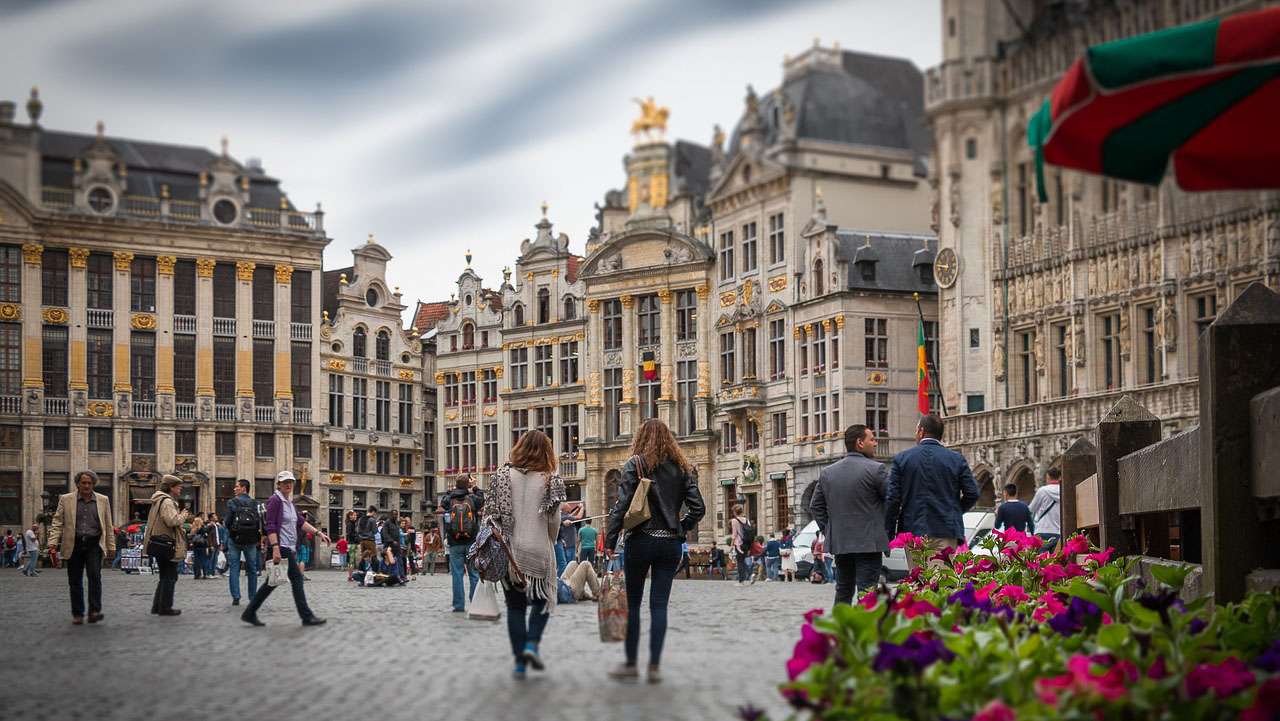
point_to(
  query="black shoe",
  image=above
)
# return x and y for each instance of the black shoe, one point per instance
(235, 602)
(313, 621)
(172, 612)
(251, 619)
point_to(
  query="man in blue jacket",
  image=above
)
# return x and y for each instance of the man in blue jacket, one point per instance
(930, 488)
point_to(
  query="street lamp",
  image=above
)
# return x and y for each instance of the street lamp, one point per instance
(46, 516)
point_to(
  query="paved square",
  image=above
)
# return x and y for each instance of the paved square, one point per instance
(385, 653)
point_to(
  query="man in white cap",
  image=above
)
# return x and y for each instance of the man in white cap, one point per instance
(285, 528)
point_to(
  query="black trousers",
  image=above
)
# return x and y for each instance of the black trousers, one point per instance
(163, 600)
(856, 569)
(742, 566)
(86, 556)
(658, 558)
(289, 557)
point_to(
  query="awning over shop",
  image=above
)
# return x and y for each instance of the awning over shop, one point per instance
(141, 494)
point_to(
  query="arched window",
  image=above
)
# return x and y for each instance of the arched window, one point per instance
(468, 335)
(570, 309)
(517, 314)
(358, 341)
(544, 306)
(817, 277)
(383, 345)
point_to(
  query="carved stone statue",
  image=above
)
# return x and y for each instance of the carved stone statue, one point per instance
(1169, 327)
(610, 263)
(1126, 343)
(1039, 351)
(997, 354)
(1077, 345)
(953, 196)
(934, 201)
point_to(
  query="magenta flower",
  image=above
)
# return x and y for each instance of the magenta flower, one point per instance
(983, 565)
(996, 711)
(1052, 574)
(1102, 556)
(1266, 705)
(813, 647)
(1080, 679)
(906, 540)
(868, 601)
(1012, 595)
(985, 592)
(1075, 546)
(1019, 540)
(1158, 670)
(810, 614)
(1050, 606)
(1075, 569)
(1224, 679)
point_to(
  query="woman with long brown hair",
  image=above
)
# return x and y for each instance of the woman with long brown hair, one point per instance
(653, 545)
(524, 501)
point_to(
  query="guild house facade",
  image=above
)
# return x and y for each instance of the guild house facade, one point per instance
(1051, 311)
(157, 304)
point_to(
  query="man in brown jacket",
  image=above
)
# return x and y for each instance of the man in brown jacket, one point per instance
(82, 524)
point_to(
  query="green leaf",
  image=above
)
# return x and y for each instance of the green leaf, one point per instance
(1144, 617)
(1029, 646)
(1113, 637)
(1171, 576)
(1082, 590)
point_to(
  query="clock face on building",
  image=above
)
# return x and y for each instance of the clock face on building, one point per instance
(945, 267)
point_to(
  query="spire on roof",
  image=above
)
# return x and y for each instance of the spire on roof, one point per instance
(819, 207)
(224, 146)
(34, 106)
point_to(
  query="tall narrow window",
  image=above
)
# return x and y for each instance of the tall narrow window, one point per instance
(359, 343)
(11, 359)
(1206, 311)
(1026, 382)
(517, 315)
(142, 365)
(877, 342)
(224, 370)
(834, 356)
(779, 428)
(184, 287)
(543, 366)
(569, 363)
(819, 348)
(450, 390)
(519, 368)
(544, 305)
(1061, 362)
(570, 310)
(224, 290)
(468, 336)
(53, 276)
(405, 415)
(878, 413)
(184, 368)
(751, 436)
(300, 297)
(749, 354)
(382, 346)
(359, 403)
(569, 431)
(11, 274)
(1024, 198)
(726, 255)
(469, 447)
(648, 320)
(99, 274)
(820, 414)
(649, 389)
(300, 373)
(777, 349)
(686, 315)
(142, 285)
(382, 406)
(777, 240)
(1112, 368)
(611, 316)
(612, 402)
(749, 262)
(98, 357)
(337, 399)
(686, 391)
(490, 437)
(728, 438)
(488, 385)
(264, 293)
(54, 360)
(519, 424)
(817, 277)
(1150, 352)
(728, 364)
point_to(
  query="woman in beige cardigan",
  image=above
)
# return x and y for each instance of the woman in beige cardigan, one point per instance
(166, 519)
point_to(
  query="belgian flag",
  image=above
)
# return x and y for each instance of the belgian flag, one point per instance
(649, 363)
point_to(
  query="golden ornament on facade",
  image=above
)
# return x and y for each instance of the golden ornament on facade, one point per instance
(528, 276)
(244, 269)
(124, 259)
(555, 272)
(100, 409)
(839, 321)
(778, 283)
(406, 483)
(143, 321)
(440, 379)
(795, 332)
(337, 478)
(580, 336)
(31, 252)
(497, 371)
(665, 296)
(728, 298)
(337, 364)
(748, 292)
(658, 189)
(652, 120)
(204, 267)
(626, 300)
(164, 264)
(451, 415)
(55, 315)
(406, 375)
(490, 412)
(703, 291)
(876, 378)
(826, 325)
(79, 257)
(284, 273)
(593, 305)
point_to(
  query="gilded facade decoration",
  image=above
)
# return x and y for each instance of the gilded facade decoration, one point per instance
(31, 252)
(778, 283)
(728, 298)
(124, 259)
(204, 267)
(164, 264)
(142, 321)
(79, 257)
(337, 364)
(100, 409)
(55, 315)
(284, 273)
(244, 269)
(406, 375)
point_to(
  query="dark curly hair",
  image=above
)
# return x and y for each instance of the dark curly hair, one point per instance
(655, 444)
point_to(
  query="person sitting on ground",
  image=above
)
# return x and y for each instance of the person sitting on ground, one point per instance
(363, 568)
(581, 578)
(390, 567)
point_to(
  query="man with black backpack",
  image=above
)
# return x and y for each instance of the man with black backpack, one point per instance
(460, 510)
(367, 530)
(242, 534)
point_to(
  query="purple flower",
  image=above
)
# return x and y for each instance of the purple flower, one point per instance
(1269, 661)
(750, 713)
(1199, 624)
(1077, 615)
(967, 597)
(913, 654)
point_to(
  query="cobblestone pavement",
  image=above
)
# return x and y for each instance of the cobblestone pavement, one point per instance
(393, 653)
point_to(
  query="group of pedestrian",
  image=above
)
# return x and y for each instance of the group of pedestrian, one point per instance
(22, 550)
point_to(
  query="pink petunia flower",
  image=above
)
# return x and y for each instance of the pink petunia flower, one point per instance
(810, 614)
(1052, 574)
(1051, 606)
(984, 593)
(1102, 556)
(1075, 546)
(1081, 679)
(813, 647)
(1075, 569)
(1224, 679)
(1158, 670)
(1012, 595)
(906, 540)
(996, 711)
(984, 565)
(1266, 705)
(868, 601)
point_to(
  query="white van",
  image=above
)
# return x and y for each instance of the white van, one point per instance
(977, 524)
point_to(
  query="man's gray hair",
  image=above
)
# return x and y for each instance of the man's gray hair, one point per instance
(90, 474)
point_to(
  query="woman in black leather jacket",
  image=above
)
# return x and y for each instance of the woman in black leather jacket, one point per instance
(655, 544)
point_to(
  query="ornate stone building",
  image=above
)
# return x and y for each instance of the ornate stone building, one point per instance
(1051, 311)
(156, 312)
(372, 447)
(838, 145)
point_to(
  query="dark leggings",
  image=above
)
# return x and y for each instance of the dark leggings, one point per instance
(662, 556)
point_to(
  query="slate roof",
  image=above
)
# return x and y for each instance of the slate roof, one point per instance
(895, 255)
(692, 168)
(329, 288)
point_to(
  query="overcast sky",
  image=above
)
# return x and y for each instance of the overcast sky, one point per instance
(436, 126)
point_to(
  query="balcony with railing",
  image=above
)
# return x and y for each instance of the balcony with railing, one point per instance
(468, 411)
(224, 327)
(185, 411)
(264, 414)
(302, 416)
(299, 331)
(382, 367)
(571, 468)
(360, 365)
(224, 413)
(184, 324)
(958, 80)
(57, 198)
(99, 318)
(144, 409)
(743, 394)
(264, 329)
(57, 406)
(162, 207)
(10, 404)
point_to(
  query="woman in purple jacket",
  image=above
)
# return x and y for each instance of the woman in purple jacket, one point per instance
(286, 529)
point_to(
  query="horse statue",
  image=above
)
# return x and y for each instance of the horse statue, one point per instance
(652, 120)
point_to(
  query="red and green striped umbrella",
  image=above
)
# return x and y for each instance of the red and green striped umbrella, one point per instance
(1206, 95)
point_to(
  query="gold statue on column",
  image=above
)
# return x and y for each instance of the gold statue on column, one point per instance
(652, 122)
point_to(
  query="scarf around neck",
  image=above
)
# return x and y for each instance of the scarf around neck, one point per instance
(524, 528)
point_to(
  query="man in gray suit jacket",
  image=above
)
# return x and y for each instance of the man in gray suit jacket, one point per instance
(848, 504)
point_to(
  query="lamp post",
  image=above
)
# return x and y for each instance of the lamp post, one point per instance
(45, 517)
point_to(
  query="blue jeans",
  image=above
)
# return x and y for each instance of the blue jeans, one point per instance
(289, 557)
(646, 553)
(199, 561)
(771, 566)
(524, 631)
(562, 558)
(1050, 541)
(457, 564)
(32, 558)
(251, 564)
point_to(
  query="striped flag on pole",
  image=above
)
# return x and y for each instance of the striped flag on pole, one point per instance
(922, 374)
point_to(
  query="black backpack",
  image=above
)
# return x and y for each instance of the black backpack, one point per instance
(245, 524)
(749, 533)
(463, 524)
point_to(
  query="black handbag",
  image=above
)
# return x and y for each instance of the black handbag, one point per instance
(162, 548)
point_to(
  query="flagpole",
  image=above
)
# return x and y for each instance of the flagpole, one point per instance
(933, 367)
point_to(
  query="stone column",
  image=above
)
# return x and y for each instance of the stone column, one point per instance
(705, 342)
(1237, 362)
(123, 323)
(591, 369)
(204, 345)
(32, 377)
(667, 359)
(78, 318)
(244, 368)
(1127, 427)
(164, 339)
(1078, 463)
(283, 396)
(627, 419)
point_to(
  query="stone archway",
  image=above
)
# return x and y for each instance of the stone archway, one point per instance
(803, 510)
(986, 489)
(1025, 480)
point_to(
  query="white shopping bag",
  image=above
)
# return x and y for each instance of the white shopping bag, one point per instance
(484, 604)
(277, 573)
(222, 561)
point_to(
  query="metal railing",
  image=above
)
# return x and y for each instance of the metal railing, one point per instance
(144, 409)
(99, 318)
(57, 406)
(224, 326)
(264, 329)
(185, 411)
(264, 414)
(224, 413)
(10, 404)
(299, 331)
(57, 197)
(145, 205)
(184, 324)
(184, 209)
(302, 416)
